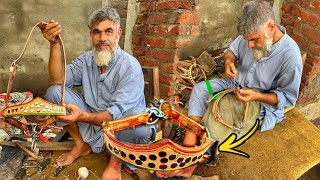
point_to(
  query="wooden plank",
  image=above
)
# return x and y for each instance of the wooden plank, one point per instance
(151, 78)
(49, 146)
(156, 90)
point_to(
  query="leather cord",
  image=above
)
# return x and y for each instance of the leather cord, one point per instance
(14, 64)
(215, 110)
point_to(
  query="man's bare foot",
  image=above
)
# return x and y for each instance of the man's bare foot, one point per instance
(186, 172)
(82, 149)
(113, 170)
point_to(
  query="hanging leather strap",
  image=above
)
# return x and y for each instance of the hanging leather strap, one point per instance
(14, 64)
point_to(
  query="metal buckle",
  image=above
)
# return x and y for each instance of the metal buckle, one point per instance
(155, 112)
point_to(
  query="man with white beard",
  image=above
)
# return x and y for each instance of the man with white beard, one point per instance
(269, 70)
(113, 88)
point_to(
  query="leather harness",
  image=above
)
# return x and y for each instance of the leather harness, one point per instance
(164, 155)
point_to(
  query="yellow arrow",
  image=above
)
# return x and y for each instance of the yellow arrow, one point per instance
(231, 142)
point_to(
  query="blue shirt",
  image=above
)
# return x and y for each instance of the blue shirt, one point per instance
(119, 89)
(280, 72)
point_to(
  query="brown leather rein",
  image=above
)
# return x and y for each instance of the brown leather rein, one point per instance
(215, 110)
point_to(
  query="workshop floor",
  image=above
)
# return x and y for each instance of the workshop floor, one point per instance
(96, 164)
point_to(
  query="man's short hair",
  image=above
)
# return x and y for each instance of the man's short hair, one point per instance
(102, 14)
(253, 17)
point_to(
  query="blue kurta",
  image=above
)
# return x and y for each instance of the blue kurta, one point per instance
(118, 90)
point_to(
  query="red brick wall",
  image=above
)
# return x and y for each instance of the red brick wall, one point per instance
(162, 28)
(301, 18)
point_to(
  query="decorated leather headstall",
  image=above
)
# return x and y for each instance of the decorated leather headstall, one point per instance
(163, 155)
(215, 110)
(37, 111)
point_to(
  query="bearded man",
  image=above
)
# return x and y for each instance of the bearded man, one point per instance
(269, 70)
(113, 88)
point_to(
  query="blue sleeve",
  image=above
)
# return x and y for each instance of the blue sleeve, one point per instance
(235, 46)
(288, 81)
(129, 91)
(74, 72)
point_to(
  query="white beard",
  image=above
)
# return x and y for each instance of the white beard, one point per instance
(258, 54)
(104, 57)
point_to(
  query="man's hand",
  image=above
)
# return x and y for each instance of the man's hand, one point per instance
(50, 31)
(245, 95)
(230, 69)
(76, 114)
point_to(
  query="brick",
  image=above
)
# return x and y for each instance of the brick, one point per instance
(297, 26)
(143, 41)
(165, 90)
(315, 49)
(300, 40)
(156, 42)
(313, 60)
(304, 16)
(153, 6)
(170, 68)
(150, 30)
(304, 3)
(148, 62)
(309, 18)
(147, 53)
(188, 18)
(287, 20)
(160, 30)
(311, 70)
(157, 18)
(166, 55)
(315, 6)
(143, 8)
(178, 43)
(136, 40)
(286, 7)
(313, 20)
(195, 31)
(174, 4)
(178, 30)
(311, 34)
(295, 11)
(139, 30)
(138, 51)
(141, 18)
(167, 79)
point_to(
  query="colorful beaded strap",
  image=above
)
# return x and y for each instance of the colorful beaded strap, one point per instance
(164, 155)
